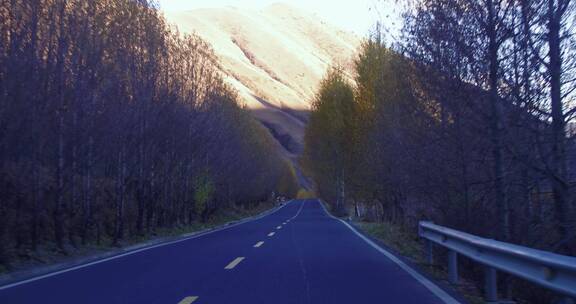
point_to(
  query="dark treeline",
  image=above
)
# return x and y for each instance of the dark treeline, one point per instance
(113, 125)
(465, 121)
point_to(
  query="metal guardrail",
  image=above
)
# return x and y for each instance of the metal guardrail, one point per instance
(552, 271)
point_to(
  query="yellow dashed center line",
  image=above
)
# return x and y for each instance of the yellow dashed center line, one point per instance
(188, 300)
(258, 244)
(234, 263)
(271, 233)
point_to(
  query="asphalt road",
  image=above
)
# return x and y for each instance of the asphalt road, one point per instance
(298, 254)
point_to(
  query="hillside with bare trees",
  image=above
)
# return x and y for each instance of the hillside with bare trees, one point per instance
(465, 121)
(113, 125)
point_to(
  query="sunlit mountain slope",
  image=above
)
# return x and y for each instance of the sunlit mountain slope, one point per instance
(274, 57)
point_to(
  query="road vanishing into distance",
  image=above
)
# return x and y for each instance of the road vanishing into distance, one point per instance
(297, 254)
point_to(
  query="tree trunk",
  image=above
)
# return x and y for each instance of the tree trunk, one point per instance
(59, 208)
(87, 220)
(120, 190)
(496, 124)
(560, 184)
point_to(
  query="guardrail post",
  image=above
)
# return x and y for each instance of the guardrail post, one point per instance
(491, 292)
(428, 245)
(429, 252)
(453, 266)
(567, 301)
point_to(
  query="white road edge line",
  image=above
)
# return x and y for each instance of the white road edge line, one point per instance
(258, 244)
(188, 300)
(297, 213)
(234, 263)
(439, 292)
(140, 250)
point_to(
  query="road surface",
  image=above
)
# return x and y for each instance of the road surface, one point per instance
(295, 255)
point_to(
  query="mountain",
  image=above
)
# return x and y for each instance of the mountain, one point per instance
(274, 57)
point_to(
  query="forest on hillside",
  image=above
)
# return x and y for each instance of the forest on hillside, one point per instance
(466, 120)
(113, 125)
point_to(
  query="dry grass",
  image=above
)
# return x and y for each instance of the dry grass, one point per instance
(48, 255)
(407, 244)
(305, 194)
